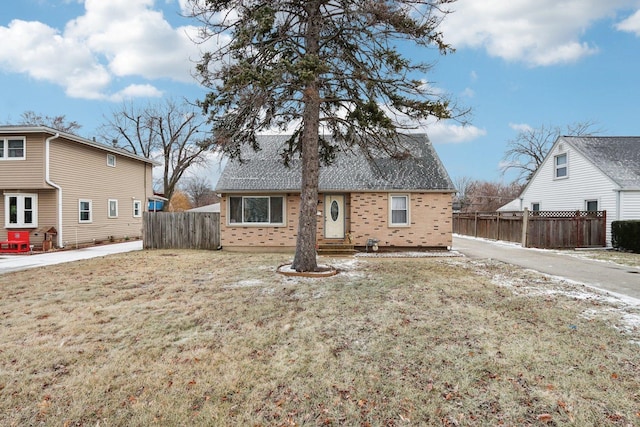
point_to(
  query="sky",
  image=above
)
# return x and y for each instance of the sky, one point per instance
(517, 64)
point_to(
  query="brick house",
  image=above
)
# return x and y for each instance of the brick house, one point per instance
(402, 201)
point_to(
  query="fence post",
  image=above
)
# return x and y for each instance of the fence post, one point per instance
(525, 226)
(604, 227)
(475, 224)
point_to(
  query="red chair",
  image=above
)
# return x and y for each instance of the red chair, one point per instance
(17, 242)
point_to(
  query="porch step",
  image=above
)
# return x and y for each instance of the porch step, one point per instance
(335, 249)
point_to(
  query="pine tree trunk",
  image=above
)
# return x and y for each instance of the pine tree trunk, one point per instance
(305, 257)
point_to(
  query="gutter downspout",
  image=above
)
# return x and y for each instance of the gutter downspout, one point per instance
(54, 185)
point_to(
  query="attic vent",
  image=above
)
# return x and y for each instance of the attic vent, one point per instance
(561, 147)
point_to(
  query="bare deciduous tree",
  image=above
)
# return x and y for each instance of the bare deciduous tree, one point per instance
(31, 118)
(167, 131)
(200, 191)
(528, 149)
(462, 184)
(485, 196)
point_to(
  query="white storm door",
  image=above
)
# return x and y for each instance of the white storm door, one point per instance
(334, 216)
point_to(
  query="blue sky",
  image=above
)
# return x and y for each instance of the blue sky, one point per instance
(518, 63)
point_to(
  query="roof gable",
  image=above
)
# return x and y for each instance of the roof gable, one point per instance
(264, 170)
(617, 157)
(21, 130)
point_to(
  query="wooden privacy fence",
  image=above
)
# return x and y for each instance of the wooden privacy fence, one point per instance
(537, 229)
(181, 230)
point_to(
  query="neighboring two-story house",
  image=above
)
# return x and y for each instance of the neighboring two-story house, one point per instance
(401, 201)
(70, 189)
(588, 173)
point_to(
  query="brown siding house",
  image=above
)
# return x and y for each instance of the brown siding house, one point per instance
(403, 202)
(69, 189)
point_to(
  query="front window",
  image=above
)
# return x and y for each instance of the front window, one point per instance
(12, 148)
(560, 162)
(137, 208)
(84, 211)
(21, 210)
(256, 210)
(113, 208)
(399, 210)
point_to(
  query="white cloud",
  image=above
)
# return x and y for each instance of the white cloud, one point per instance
(135, 39)
(520, 127)
(41, 52)
(535, 32)
(631, 24)
(468, 93)
(112, 40)
(444, 132)
(136, 91)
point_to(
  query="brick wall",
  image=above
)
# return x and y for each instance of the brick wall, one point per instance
(261, 236)
(429, 214)
(366, 216)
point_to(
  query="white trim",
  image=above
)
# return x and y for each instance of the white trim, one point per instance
(564, 166)
(408, 210)
(587, 201)
(47, 179)
(4, 151)
(80, 220)
(109, 208)
(258, 224)
(20, 210)
(139, 209)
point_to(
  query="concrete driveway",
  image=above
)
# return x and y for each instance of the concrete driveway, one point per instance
(606, 276)
(9, 263)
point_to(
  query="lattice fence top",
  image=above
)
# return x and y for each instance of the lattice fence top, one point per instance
(568, 214)
(539, 214)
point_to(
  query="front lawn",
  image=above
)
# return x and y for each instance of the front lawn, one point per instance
(174, 338)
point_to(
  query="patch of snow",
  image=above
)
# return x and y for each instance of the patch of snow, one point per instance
(427, 254)
(529, 283)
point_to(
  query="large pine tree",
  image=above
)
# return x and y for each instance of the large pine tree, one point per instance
(325, 67)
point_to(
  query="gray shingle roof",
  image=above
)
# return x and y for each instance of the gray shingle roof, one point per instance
(19, 129)
(618, 157)
(263, 170)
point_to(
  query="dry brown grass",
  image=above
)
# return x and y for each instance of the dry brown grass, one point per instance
(213, 338)
(610, 255)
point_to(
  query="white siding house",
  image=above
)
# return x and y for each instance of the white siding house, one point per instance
(588, 173)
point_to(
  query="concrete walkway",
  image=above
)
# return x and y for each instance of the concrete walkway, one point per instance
(9, 263)
(614, 278)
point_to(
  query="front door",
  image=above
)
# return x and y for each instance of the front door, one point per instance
(334, 216)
